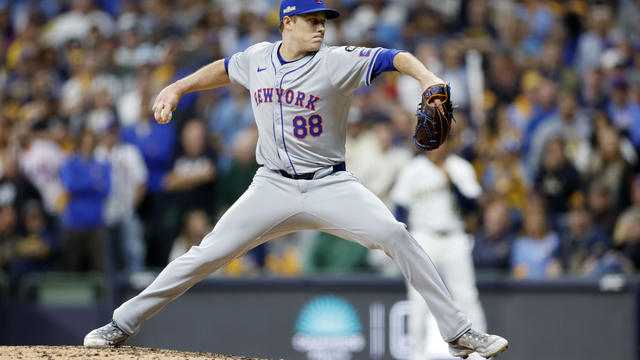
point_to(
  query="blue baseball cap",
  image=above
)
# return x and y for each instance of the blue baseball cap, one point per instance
(297, 7)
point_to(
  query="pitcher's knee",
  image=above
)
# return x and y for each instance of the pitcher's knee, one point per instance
(388, 236)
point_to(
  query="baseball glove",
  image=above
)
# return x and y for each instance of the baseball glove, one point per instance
(434, 122)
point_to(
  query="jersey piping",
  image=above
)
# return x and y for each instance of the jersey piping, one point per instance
(284, 143)
(273, 118)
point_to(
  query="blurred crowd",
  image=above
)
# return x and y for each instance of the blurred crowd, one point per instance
(547, 97)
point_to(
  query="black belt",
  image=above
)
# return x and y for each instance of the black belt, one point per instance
(309, 176)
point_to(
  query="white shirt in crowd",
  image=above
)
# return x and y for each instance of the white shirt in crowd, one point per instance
(128, 171)
(41, 162)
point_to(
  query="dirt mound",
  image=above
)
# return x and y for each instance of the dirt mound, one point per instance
(124, 352)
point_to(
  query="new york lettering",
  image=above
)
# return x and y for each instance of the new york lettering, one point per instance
(288, 96)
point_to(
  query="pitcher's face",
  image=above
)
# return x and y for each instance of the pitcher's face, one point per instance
(308, 30)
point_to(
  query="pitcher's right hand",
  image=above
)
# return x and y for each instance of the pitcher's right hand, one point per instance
(165, 104)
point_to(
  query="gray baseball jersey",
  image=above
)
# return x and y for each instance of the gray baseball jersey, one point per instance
(301, 110)
(301, 107)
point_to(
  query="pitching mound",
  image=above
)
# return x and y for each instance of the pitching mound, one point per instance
(125, 352)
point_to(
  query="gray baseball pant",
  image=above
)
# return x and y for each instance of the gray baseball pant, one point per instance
(274, 206)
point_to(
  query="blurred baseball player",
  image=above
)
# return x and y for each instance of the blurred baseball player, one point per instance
(301, 93)
(425, 196)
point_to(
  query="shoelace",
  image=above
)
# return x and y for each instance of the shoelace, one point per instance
(111, 332)
(479, 337)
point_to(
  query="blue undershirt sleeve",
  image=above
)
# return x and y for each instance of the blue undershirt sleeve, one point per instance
(384, 62)
(226, 64)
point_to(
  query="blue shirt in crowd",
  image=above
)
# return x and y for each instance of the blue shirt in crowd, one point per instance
(88, 182)
(155, 142)
(534, 254)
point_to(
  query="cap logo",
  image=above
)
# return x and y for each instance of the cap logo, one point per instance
(288, 9)
(319, 1)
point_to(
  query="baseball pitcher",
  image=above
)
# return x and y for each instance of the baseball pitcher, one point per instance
(300, 92)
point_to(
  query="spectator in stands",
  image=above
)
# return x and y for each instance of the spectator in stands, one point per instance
(582, 242)
(538, 21)
(40, 160)
(36, 249)
(570, 124)
(609, 168)
(87, 182)
(523, 107)
(621, 109)
(128, 186)
(40, 111)
(506, 176)
(15, 188)
(192, 176)
(493, 241)
(533, 251)
(504, 79)
(20, 60)
(593, 91)
(556, 180)
(544, 108)
(232, 115)
(599, 36)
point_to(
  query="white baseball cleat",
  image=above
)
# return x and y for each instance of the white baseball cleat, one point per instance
(471, 341)
(109, 335)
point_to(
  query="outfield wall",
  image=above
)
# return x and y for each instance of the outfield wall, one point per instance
(353, 317)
